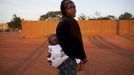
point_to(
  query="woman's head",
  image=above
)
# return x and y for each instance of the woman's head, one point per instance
(68, 8)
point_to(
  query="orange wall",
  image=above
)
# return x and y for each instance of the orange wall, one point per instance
(126, 27)
(98, 27)
(41, 29)
(38, 29)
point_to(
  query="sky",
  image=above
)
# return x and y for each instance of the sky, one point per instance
(33, 9)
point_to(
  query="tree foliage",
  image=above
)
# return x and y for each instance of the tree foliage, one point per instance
(82, 17)
(111, 17)
(57, 15)
(51, 15)
(125, 16)
(15, 23)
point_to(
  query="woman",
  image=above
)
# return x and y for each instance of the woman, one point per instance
(70, 39)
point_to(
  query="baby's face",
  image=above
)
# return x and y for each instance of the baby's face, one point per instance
(53, 40)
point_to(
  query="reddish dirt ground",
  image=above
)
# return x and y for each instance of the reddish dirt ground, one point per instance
(107, 55)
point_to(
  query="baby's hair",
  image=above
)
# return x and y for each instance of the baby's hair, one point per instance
(51, 39)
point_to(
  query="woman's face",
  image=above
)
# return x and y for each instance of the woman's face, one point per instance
(70, 10)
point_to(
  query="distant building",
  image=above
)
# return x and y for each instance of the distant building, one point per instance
(4, 27)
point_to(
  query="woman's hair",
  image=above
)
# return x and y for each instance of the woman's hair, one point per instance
(63, 6)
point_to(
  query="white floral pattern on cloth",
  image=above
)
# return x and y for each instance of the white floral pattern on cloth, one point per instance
(56, 56)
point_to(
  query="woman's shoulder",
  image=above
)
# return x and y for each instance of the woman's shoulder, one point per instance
(65, 21)
(64, 24)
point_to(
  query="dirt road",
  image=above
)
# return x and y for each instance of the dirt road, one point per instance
(107, 55)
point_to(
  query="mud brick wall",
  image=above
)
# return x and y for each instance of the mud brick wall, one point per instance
(41, 29)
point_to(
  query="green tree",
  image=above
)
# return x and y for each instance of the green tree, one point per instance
(103, 18)
(125, 16)
(132, 18)
(93, 18)
(82, 17)
(51, 15)
(15, 23)
(111, 17)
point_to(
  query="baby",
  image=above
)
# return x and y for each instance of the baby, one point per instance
(56, 55)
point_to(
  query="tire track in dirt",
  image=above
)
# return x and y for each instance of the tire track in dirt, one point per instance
(24, 64)
(130, 38)
(100, 42)
(96, 42)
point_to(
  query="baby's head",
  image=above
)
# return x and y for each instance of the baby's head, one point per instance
(52, 39)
